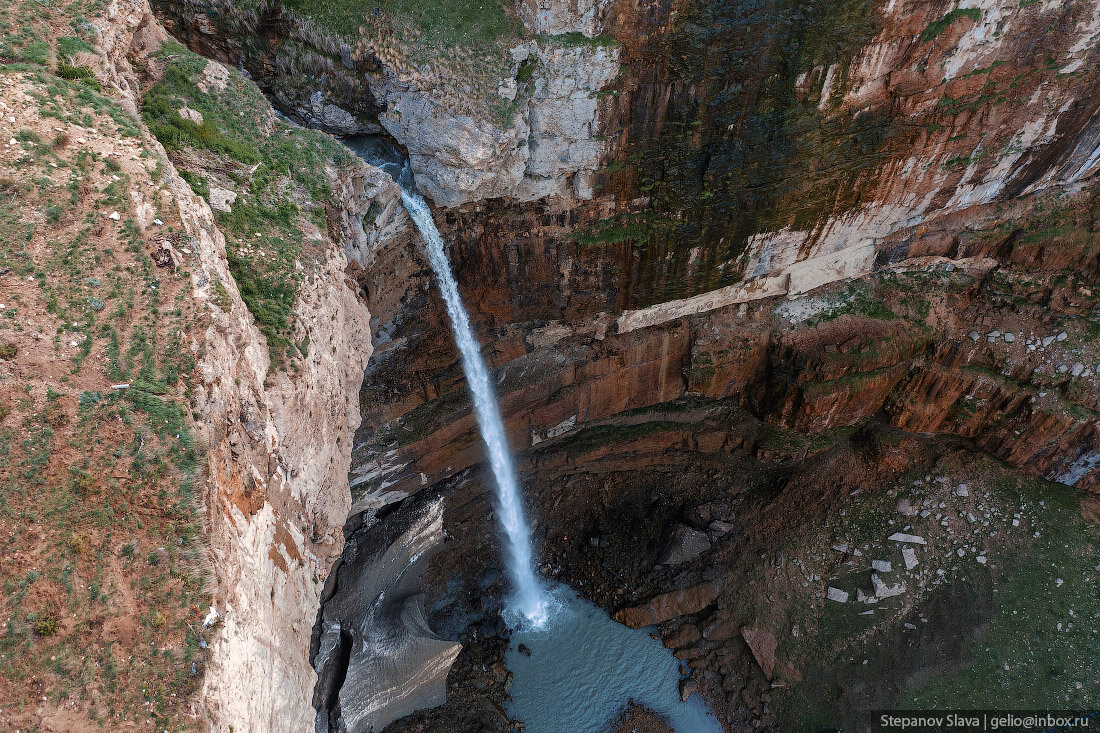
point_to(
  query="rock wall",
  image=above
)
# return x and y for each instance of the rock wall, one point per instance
(278, 441)
(538, 134)
(799, 217)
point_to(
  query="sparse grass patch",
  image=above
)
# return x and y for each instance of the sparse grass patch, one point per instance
(84, 468)
(271, 166)
(937, 27)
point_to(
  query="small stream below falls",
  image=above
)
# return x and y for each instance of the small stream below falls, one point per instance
(578, 669)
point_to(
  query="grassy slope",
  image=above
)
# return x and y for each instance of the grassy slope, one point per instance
(985, 634)
(275, 169)
(103, 588)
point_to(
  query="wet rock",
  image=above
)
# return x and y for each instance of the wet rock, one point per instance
(687, 688)
(762, 643)
(683, 636)
(377, 639)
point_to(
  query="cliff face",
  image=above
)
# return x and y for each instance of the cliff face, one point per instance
(507, 115)
(747, 152)
(235, 342)
(640, 200)
(278, 440)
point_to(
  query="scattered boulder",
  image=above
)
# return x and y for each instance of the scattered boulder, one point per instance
(762, 644)
(910, 538)
(909, 555)
(193, 115)
(214, 76)
(684, 544)
(669, 606)
(836, 594)
(882, 590)
(222, 199)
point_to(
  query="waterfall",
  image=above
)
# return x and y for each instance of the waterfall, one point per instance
(529, 597)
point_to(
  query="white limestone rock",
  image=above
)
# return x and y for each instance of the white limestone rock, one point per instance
(222, 199)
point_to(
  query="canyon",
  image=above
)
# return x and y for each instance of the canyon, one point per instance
(760, 286)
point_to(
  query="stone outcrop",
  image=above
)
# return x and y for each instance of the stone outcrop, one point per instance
(376, 658)
(553, 17)
(762, 643)
(669, 606)
(278, 443)
(539, 134)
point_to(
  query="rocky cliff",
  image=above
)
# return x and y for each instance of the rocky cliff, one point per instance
(750, 276)
(924, 171)
(237, 344)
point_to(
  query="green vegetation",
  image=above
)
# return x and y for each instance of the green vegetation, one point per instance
(82, 468)
(197, 183)
(273, 166)
(993, 611)
(937, 27)
(438, 24)
(956, 162)
(613, 231)
(860, 299)
(1040, 649)
(27, 30)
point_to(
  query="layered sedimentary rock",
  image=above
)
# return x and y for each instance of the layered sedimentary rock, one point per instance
(719, 238)
(376, 657)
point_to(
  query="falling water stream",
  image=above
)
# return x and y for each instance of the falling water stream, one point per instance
(528, 596)
(578, 669)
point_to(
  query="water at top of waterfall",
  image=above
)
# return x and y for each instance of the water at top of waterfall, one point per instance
(528, 599)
